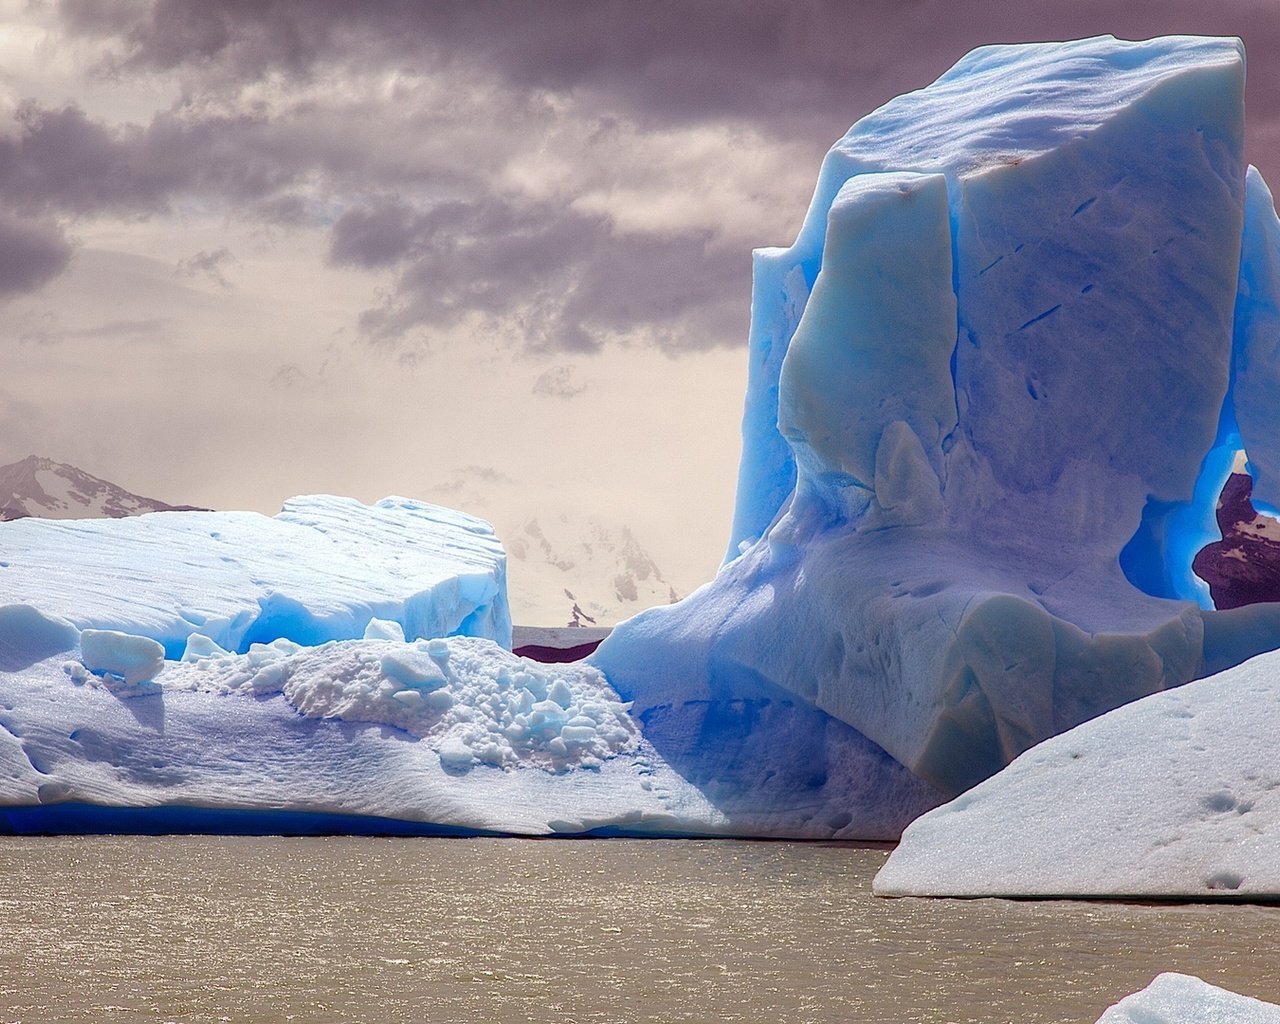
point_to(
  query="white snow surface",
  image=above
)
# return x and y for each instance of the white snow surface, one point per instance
(1176, 795)
(456, 732)
(320, 570)
(1182, 999)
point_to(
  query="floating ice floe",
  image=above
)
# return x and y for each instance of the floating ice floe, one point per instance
(1174, 796)
(1181, 999)
(449, 734)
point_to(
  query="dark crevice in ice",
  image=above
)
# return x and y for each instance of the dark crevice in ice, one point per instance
(173, 819)
(1036, 319)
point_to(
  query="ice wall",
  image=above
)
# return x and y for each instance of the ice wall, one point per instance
(318, 571)
(991, 401)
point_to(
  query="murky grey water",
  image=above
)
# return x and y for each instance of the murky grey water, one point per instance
(385, 930)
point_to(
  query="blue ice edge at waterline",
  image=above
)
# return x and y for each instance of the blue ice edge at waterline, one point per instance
(81, 819)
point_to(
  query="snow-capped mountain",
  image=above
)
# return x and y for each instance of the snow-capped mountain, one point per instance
(46, 489)
(564, 569)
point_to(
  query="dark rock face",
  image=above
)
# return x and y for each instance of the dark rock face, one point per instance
(1244, 567)
(556, 655)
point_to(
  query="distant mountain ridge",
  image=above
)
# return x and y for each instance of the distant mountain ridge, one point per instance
(45, 489)
(573, 570)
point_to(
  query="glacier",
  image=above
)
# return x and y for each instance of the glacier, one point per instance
(1182, 999)
(996, 385)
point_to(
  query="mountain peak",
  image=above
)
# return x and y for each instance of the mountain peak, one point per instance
(46, 489)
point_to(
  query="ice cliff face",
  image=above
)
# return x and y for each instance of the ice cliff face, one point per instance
(996, 386)
(318, 571)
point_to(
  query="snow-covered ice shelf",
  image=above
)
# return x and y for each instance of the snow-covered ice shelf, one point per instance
(318, 571)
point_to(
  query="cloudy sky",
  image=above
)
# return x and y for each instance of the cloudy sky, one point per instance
(491, 254)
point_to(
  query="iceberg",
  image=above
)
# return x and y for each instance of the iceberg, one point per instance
(1182, 999)
(323, 569)
(1176, 795)
(996, 385)
(444, 736)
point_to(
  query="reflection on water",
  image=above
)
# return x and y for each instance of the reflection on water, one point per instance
(349, 929)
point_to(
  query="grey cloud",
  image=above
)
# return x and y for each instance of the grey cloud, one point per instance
(568, 279)
(464, 479)
(798, 69)
(485, 473)
(61, 159)
(558, 382)
(377, 236)
(32, 253)
(208, 264)
(292, 377)
(149, 331)
(796, 63)
(152, 329)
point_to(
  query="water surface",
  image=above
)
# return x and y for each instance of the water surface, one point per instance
(493, 930)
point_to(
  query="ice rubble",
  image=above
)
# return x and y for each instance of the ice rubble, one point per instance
(1175, 795)
(995, 387)
(371, 735)
(469, 699)
(1182, 999)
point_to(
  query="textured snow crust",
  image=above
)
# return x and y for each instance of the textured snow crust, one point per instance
(1182, 999)
(468, 698)
(1174, 796)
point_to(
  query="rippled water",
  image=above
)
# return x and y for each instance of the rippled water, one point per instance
(343, 929)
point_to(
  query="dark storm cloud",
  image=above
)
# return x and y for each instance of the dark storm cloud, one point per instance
(794, 70)
(569, 277)
(792, 60)
(32, 253)
(62, 160)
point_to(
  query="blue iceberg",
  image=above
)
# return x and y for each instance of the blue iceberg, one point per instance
(996, 385)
